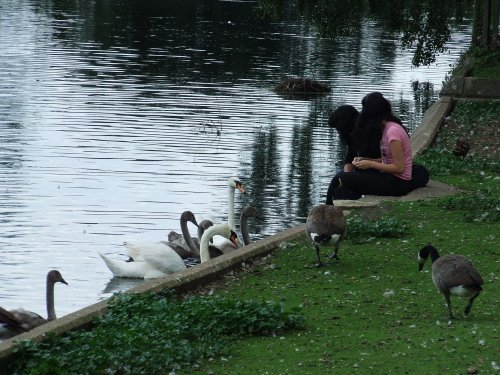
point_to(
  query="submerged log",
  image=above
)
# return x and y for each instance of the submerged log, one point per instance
(301, 86)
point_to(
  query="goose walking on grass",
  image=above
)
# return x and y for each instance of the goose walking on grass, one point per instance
(452, 275)
(325, 225)
(17, 321)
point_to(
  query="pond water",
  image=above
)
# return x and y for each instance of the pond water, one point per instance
(117, 117)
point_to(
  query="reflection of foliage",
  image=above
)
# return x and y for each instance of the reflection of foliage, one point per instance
(424, 25)
(426, 29)
(332, 18)
(269, 8)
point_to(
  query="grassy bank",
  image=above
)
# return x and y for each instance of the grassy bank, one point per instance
(372, 312)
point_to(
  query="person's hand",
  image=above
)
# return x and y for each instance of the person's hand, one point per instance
(362, 163)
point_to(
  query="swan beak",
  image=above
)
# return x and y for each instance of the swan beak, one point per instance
(195, 222)
(63, 281)
(234, 239)
(240, 187)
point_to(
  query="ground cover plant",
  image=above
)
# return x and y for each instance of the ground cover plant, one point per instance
(154, 334)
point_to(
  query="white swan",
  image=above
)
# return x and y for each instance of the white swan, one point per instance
(223, 230)
(245, 214)
(152, 260)
(233, 183)
(181, 244)
(17, 321)
(157, 259)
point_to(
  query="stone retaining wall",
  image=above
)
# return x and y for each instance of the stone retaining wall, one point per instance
(182, 281)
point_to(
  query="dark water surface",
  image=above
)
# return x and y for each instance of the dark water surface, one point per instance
(115, 118)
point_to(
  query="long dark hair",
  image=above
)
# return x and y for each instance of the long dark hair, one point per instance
(376, 109)
(344, 119)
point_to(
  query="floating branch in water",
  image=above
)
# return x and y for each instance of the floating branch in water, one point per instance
(301, 86)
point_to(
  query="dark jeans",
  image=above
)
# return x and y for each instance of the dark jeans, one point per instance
(358, 183)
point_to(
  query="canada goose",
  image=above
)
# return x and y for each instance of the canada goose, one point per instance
(452, 274)
(16, 321)
(325, 224)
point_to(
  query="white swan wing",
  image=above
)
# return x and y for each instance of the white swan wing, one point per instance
(223, 244)
(139, 270)
(133, 249)
(162, 258)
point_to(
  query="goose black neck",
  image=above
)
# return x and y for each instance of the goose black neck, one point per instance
(432, 251)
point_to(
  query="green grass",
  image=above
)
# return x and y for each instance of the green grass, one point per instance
(487, 64)
(373, 311)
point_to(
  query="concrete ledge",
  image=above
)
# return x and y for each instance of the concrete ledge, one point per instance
(183, 281)
(432, 190)
(424, 134)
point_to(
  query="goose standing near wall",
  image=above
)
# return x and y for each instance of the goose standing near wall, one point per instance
(326, 225)
(14, 322)
(452, 275)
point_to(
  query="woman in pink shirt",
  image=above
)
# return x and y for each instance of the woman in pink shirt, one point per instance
(389, 175)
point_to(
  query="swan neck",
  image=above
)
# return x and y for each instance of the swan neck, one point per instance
(187, 237)
(51, 312)
(230, 218)
(204, 243)
(244, 230)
